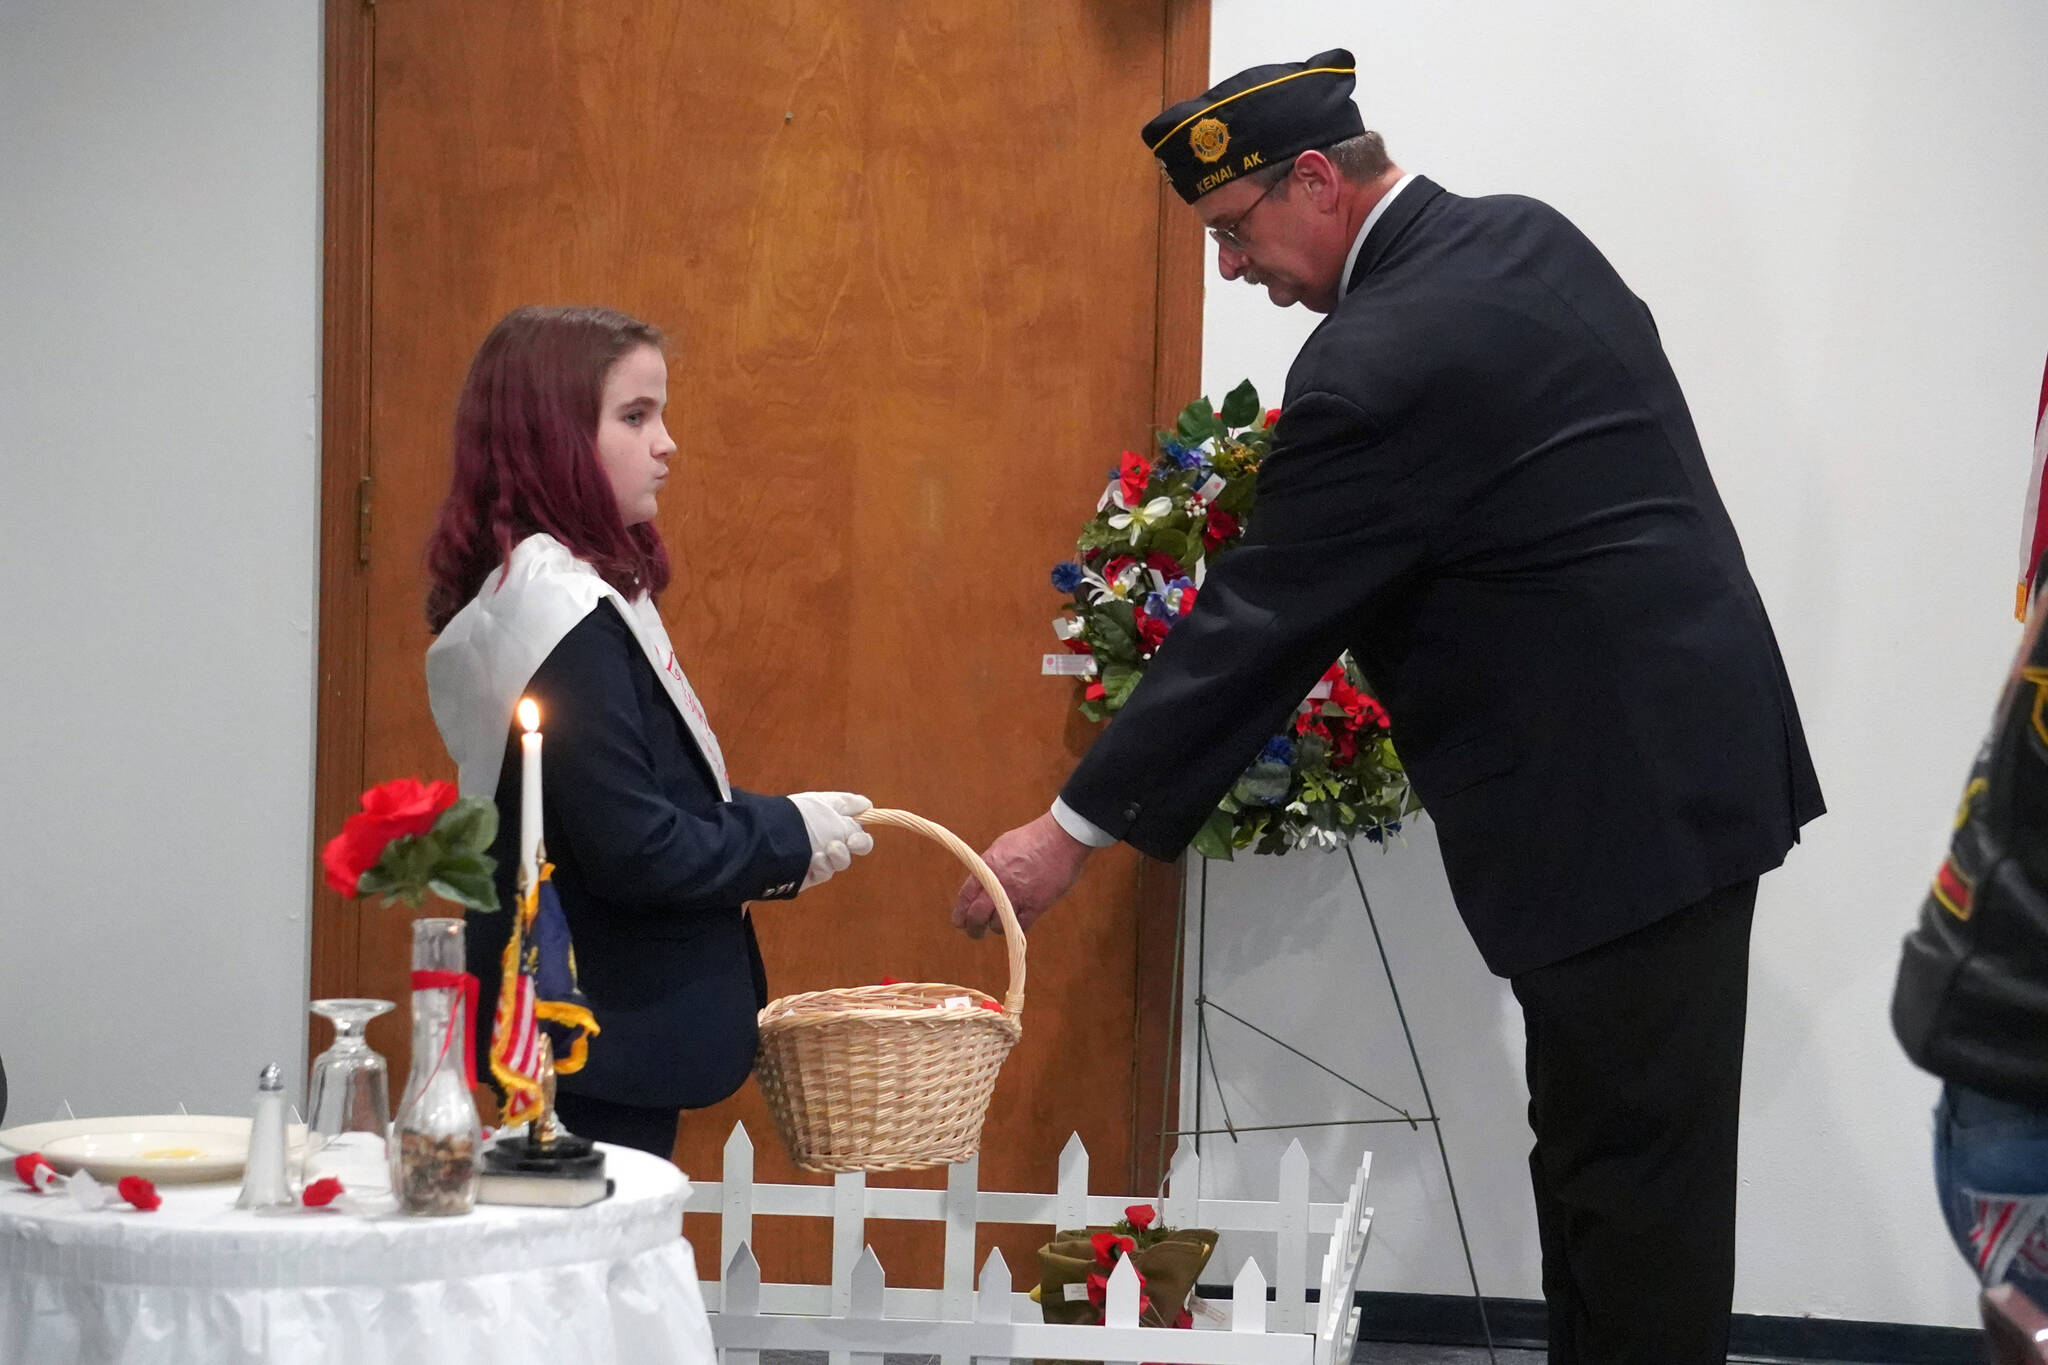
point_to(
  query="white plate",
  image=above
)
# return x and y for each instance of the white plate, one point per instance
(167, 1148)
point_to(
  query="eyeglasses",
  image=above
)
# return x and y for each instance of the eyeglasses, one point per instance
(1226, 234)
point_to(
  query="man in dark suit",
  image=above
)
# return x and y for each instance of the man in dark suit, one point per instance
(1486, 484)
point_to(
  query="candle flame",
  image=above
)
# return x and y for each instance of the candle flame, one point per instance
(529, 714)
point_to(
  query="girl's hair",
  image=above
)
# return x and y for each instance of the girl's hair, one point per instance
(525, 457)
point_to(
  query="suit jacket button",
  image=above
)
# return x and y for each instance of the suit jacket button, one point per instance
(1131, 811)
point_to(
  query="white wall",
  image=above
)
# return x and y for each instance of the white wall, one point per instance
(159, 291)
(1835, 209)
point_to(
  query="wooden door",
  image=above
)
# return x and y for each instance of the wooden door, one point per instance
(921, 287)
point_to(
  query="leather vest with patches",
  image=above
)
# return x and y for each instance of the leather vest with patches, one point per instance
(1971, 1004)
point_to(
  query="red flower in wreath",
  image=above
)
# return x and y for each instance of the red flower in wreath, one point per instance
(1140, 1216)
(1165, 564)
(1094, 691)
(390, 811)
(1151, 632)
(1272, 416)
(1221, 526)
(1133, 472)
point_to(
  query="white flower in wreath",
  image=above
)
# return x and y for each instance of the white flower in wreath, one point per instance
(1140, 519)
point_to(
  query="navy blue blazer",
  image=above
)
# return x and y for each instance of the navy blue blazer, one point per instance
(652, 867)
(1486, 484)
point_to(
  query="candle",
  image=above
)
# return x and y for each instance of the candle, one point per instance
(529, 793)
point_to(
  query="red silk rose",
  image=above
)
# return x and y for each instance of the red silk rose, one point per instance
(140, 1193)
(390, 811)
(1220, 527)
(1272, 416)
(1140, 1216)
(1133, 473)
(1166, 564)
(1151, 632)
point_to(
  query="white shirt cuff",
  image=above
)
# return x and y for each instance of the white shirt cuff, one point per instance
(1080, 826)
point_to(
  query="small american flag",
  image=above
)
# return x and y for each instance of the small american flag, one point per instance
(2034, 525)
(537, 989)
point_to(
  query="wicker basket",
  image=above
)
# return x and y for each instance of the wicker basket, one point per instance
(891, 1078)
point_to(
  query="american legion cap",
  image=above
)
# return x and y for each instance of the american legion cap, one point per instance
(1259, 117)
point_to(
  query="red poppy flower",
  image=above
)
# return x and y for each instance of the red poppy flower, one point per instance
(321, 1193)
(140, 1193)
(1133, 473)
(1140, 1216)
(390, 810)
(34, 1172)
(1098, 1289)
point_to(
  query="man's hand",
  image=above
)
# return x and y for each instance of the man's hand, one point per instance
(1036, 863)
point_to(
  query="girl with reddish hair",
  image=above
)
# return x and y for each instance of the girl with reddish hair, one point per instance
(543, 566)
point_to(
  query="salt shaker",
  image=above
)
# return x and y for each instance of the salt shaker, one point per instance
(265, 1184)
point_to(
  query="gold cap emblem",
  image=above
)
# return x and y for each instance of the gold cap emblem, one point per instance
(1209, 139)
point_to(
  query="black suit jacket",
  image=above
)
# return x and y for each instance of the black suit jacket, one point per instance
(652, 867)
(1485, 482)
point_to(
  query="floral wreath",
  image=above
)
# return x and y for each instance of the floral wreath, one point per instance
(1139, 564)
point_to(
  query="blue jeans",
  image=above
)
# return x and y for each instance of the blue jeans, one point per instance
(1991, 1172)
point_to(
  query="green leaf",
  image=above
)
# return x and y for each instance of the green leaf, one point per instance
(1118, 680)
(465, 887)
(1241, 405)
(1197, 422)
(469, 825)
(1212, 840)
(1263, 784)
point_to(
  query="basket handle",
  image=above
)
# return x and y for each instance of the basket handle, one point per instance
(1013, 933)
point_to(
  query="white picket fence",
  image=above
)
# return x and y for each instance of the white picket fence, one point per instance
(857, 1318)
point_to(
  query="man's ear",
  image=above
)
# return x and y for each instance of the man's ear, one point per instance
(1319, 179)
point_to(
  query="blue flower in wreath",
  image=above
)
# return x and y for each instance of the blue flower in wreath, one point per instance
(1066, 575)
(1279, 749)
(1376, 833)
(1187, 457)
(1155, 606)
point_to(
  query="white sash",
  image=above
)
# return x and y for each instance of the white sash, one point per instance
(484, 658)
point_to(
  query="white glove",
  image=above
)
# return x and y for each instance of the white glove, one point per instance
(835, 836)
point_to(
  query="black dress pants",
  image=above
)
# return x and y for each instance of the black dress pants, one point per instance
(1635, 1079)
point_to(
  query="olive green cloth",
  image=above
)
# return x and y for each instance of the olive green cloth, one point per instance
(1171, 1266)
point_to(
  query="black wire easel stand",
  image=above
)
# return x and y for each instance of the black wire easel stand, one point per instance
(1207, 1055)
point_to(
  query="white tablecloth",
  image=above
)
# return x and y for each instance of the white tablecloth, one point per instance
(201, 1281)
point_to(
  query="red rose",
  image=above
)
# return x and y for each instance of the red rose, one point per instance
(1077, 646)
(321, 1193)
(1151, 632)
(1343, 746)
(1140, 1216)
(396, 808)
(140, 1193)
(1220, 528)
(1094, 691)
(1166, 564)
(1134, 471)
(1115, 568)
(1272, 416)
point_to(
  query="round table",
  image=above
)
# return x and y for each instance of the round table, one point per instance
(199, 1280)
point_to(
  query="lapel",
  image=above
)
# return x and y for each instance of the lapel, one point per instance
(1392, 224)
